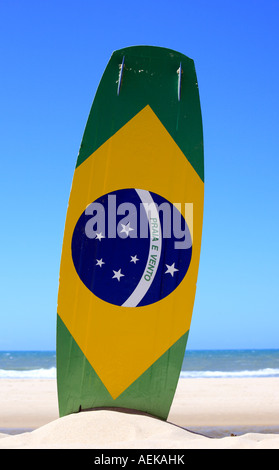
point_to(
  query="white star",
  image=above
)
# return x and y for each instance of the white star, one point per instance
(99, 236)
(126, 229)
(171, 269)
(117, 275)
(134, 259)
(100, 262)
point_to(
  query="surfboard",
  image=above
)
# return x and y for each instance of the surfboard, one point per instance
(132, 238)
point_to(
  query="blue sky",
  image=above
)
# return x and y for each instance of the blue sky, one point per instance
(53, 54)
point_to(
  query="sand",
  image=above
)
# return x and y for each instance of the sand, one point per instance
(210, 410)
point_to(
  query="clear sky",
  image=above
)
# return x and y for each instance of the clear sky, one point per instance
(53, 54)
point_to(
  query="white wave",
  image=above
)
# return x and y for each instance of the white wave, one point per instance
(51, 374)
(230, 374)
(28, 374)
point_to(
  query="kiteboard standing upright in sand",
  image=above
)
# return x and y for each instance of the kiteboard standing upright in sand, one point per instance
(132, 237)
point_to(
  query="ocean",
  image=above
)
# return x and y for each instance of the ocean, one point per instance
(196, 364)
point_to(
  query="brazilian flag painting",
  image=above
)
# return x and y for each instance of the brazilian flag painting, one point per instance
(132, 237)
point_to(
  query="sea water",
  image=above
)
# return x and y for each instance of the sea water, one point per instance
(27, 365)
(231, 363)
(196, 364)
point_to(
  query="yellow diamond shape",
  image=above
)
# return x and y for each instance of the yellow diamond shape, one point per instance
(119, 342)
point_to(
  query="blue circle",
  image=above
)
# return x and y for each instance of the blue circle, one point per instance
(111, 246)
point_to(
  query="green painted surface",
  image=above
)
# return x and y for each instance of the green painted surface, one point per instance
(77, 381)
(150, 76)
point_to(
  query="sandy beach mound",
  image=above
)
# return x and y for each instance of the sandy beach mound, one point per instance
(246, 407)
(116, 430)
